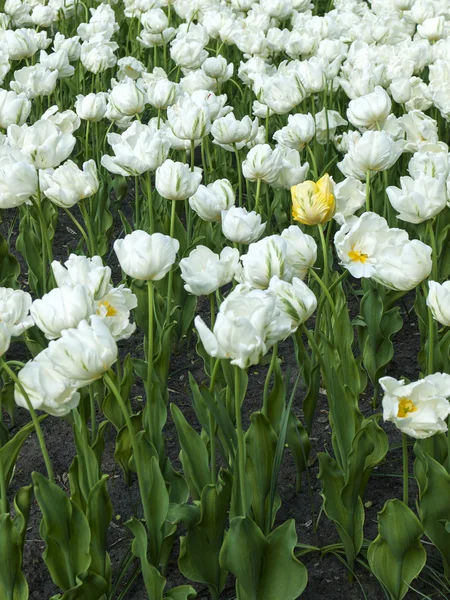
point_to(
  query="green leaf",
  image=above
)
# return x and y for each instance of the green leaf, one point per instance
(9, 266)
(99, 515)
(10, 451)
(153, 580)
(65, 530)
(182, 592)
(434, 508)
(193, 456)
(200, 548)
(90, 585)
(261, 443)
(396, 556)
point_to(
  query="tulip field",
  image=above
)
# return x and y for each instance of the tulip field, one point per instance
(224, 299)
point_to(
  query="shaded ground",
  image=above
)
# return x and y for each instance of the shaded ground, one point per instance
(327, 575)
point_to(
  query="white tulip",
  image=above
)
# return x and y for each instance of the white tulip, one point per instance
(301, 250)
(14, 310)
(438, 300)
(146, 257)
(209, 201)
(114, 308)
(176, 181)
(67, 185)
(241, 226)
(85, 353)
(81, 270)
(204, 271)
(62, 308)
(420, 408)
(295, 300)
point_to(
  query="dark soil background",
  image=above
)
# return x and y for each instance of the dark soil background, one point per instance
(328, 579)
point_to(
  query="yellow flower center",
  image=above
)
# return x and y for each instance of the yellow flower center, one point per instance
(405, 406)
(357, 256)
(110, 310)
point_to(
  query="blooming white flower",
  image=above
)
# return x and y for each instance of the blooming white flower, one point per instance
(241, 226)
(299, 131)
(420, 408)
(146, 257)
(62, 308)
(18, 178)
(81, 270)
(247, 326)
(349, 196)
(301, 250)
(374, 151)
(189, 120)
(85, 353)
(371, 110)
(115, 308)
(14, 310)
(67, 185)
(209, 201)
(403, 266)
(5, 339)
(46, 388)
(263, 163)
(91, 107)
(438, 300)
(295, 300)
(418, 199)
(204, 271)
(176, 181)
(264, 260)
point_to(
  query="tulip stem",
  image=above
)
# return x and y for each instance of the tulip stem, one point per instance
(265, 409)
(240, 439)
(239, 172)
(258, 191)
(213, 367)
(405, 468)
(93, 414)
(110, 383)
(432, 238)
(79, 227)
(136, 202)
(325, 253)
(326, 292)
(367, 190)
(430, 357)
(48, 464)
(170, 278)
(192, 155)
(151, 299)
(151, 224)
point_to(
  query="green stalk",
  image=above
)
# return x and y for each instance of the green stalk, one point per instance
(3, 489)
(211, 420)
(239, 172)
(86, 142)
(151, 223)
(240, 438)
(79, 227)
(324, 253)
(265, 409)
(430, 356)
(134, 446)
(258, 191)
(367, 190)
(432, 238)
(170, 278)
(87, 222)
(326, 292)
(136, 202)
(405, 468)
(48, 464)
(93, 414)
(150, 292)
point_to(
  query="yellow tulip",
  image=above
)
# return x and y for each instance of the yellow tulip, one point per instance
(313, 202)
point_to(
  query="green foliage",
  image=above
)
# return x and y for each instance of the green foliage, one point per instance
(397, 556)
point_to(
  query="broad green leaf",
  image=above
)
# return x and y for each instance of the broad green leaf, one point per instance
(396, 556)
(153, 580)
(65, 530)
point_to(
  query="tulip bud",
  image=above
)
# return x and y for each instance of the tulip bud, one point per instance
(61, 309)
(209, 201)
(204, 271)
(91, 107)
(5, 338)
(438, 300)
(14, 309)
(241, 226)
(313, 203)
(85, 353)
(146, 257)
(46, 388)
(175, 180)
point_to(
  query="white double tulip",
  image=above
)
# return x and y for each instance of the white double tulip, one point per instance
(62, 308)
(18, 178)
(176, 181)
(81, 270)
(204, 271)
(67, 185)
(14, 310)
(91, 107)
(295, 300)
(43, 143)
(438, 300)
(241, 226)
(146, 257)
(247, 326)
(46, 388)
(420, 408)
(85, 353)
(209, 201)
(418, 199)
